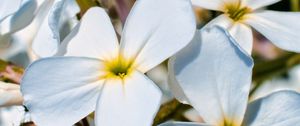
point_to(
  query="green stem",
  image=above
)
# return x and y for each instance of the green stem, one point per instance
(170, 110)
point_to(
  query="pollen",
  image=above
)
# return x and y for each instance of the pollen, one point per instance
(118, 67)
(236, 12)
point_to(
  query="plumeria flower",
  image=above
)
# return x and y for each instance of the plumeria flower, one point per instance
(60, 19)
(279, 27)
(100, 74)
(213, 74)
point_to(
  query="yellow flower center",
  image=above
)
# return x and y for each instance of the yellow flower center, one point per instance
(227, 122)
(236, 12)
(118, 67)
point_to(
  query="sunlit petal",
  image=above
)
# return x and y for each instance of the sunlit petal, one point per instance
(281, 28)
(96, 37)
(152, 32)
(215, 75)
(240, 32)
(61, 91)
(133, 102)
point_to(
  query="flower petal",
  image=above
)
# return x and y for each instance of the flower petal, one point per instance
(66, 93)
(96, 37)
(10, 94)
(23, 16)
(215, 75)
(20, 18)
(209, 4)
(147, 35)
(256, 4)
(240, 32)
(182, 124)
(278, 109)
(11, 116)
(133, 101)
(280, 27)
(49, 36)
(8, 7)
(243, 36)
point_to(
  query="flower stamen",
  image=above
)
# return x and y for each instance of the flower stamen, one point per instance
(118, 67)
(236, 12)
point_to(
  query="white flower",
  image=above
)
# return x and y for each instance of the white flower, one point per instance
(213, 74)
(105, 76)
(282, 28)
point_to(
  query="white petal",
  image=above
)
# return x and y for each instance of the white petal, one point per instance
(61, 91)
(10, 94)
(278, 109)
(96, 37)
(20, 19)
(23, 16)
(11, 116)
(281, 28)
(174, 85)
(133, 102)
(256, 4)
(153, 32)
(240, 32)
(8, 7)
(215, 75)
(50, 34)
(182, 124)
(159, 75)
(243, 35)
(209, 4)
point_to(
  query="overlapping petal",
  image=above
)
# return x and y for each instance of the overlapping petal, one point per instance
(243, 35)
(20, 18)
(95, 38)
(133, 101)
(8, 7)
(155, 30)
(281, 28)
(240, 32)
(215, 75)
(53, 29)
(278, 109)
(61, 90)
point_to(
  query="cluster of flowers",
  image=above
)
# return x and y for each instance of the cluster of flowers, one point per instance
(91, 70)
